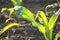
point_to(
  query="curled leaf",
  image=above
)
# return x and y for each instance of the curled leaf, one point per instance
(10, 19)
(9, 26)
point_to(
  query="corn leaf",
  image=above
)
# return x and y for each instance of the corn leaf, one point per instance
(37, 15)
(40, 20)
(27, 14)
(53, 19)
(11, 10)
(40, 27)
(16, 2)
(3, 9)
(43, 16)
(9, 26)
(57, 35)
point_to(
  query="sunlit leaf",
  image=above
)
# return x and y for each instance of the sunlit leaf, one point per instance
(9, 26)
(27, 14)
(27, 18)
(40, 20)
(3, 9)
(37, 15)
(41, 28)
(16, 2)
(33, 24)
(53, 19)
(44, 18)
(11, 10)
(57, 36)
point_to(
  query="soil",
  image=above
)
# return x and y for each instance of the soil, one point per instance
(27, 32)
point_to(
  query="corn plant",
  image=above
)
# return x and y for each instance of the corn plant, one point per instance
(48, 25)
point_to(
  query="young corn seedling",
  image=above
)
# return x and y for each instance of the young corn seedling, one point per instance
(48, 25)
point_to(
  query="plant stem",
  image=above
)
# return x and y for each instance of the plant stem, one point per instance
(45, 37)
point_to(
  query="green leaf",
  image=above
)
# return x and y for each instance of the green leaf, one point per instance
(53, 19)
(3, 9)
(27, 14)
(10, 19)
(9, 26)
(11, 10)
(16, 2)
(37, 15)
(41, 28)
(57, 36)
(43, 16)
(40, 20)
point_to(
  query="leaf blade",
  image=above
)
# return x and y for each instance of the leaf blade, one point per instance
(43, 16)
(53, 19)
(28, 14)
(9, 26)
